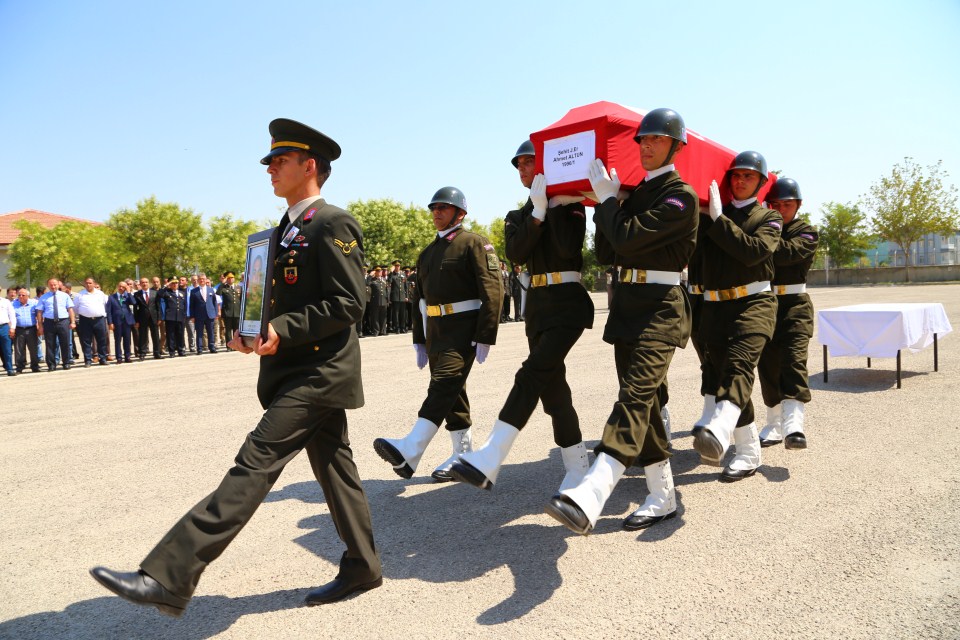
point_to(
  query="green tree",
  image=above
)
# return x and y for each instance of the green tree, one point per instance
(69, 251)
(844, 235)
(392, 231)
(912, 202)
(164, 238)
(224, 244)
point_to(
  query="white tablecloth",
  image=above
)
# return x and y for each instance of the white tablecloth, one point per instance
(880, 330)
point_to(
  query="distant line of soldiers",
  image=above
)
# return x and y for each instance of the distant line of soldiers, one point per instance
(389, 292)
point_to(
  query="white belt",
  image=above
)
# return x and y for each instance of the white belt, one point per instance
(744, 290)
(786, 289)
(554, 277)
(648, 276)
(434, 310)
(695, 289)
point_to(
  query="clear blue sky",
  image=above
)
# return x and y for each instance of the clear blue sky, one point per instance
(103, 103)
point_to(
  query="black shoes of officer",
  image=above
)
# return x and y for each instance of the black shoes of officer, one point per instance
(392, 455)
(339, 589)
(564, 511)
(139, 588)
(708, 447)
(730, 474)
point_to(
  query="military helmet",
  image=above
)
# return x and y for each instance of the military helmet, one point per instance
(526, 149)
(784, 189)
(662, 122)
(449, 195)
(753, 161)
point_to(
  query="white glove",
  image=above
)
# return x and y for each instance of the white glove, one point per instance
(483, 350)
(604, 185)
(421, 350)
(559, 201)
(716, 209)
(538, 196)
(423, 315)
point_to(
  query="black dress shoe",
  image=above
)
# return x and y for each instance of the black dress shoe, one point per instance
(442, 476)
(769, 442)
(466, 472)
(66, 367)
(11, 373)
(708, 447)
(339, 589)
(390, 453)
(563, 510)
(795, 441)
(732, 475)
(139, 588)
(86, 365)
(635, 522)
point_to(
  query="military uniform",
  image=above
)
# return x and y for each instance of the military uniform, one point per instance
(461, 266)
(558, 310)
(738, 250)
(230, 297)
(556, 315)
(174, 316)
(783, 363)
(654, 230)
(397, 285)
(305, 388)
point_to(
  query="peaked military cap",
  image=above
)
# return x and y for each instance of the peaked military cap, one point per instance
(290, 135)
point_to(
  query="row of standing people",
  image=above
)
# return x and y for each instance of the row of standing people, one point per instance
(181, 312)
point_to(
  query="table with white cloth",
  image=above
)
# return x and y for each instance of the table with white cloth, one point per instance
(881, 330)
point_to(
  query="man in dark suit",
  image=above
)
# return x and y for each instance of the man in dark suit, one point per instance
(174, 305)
(309, 376)
(205, 311)
(120, 318)
(146, 312)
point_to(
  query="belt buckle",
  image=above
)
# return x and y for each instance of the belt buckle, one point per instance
(641, 276)
(781, 289)
(433, 310)
(539, 280)
(556, 278)
(727, 294)
(447, 309)
(741, 291)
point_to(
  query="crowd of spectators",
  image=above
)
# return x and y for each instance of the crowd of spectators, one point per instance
(155, 318)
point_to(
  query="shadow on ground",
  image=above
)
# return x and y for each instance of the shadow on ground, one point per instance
(440, 533)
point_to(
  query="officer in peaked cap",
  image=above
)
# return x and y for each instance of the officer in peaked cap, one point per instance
(309, 376)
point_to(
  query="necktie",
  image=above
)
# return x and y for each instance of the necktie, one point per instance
(56, 311)
(203, 293)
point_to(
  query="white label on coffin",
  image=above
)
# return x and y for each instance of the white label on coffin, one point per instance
(566, 159)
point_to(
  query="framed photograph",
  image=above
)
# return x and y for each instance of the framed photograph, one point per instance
(254, 307)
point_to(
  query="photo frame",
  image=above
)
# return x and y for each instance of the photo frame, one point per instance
(257, 289)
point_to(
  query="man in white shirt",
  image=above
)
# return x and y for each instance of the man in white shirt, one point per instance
(90, 306)
(8, 329)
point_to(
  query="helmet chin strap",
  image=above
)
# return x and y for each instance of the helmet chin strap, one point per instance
(453, 220)
(673, 149)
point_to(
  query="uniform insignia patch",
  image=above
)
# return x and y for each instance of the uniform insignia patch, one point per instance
(290, 275)
(774, 224)
(493, 262)
(452, 235)
(346, 247)
(305, 244)
(299, 239)
(309, 215)
(677, 202)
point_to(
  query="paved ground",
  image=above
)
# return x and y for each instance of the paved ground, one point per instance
(856, 537)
